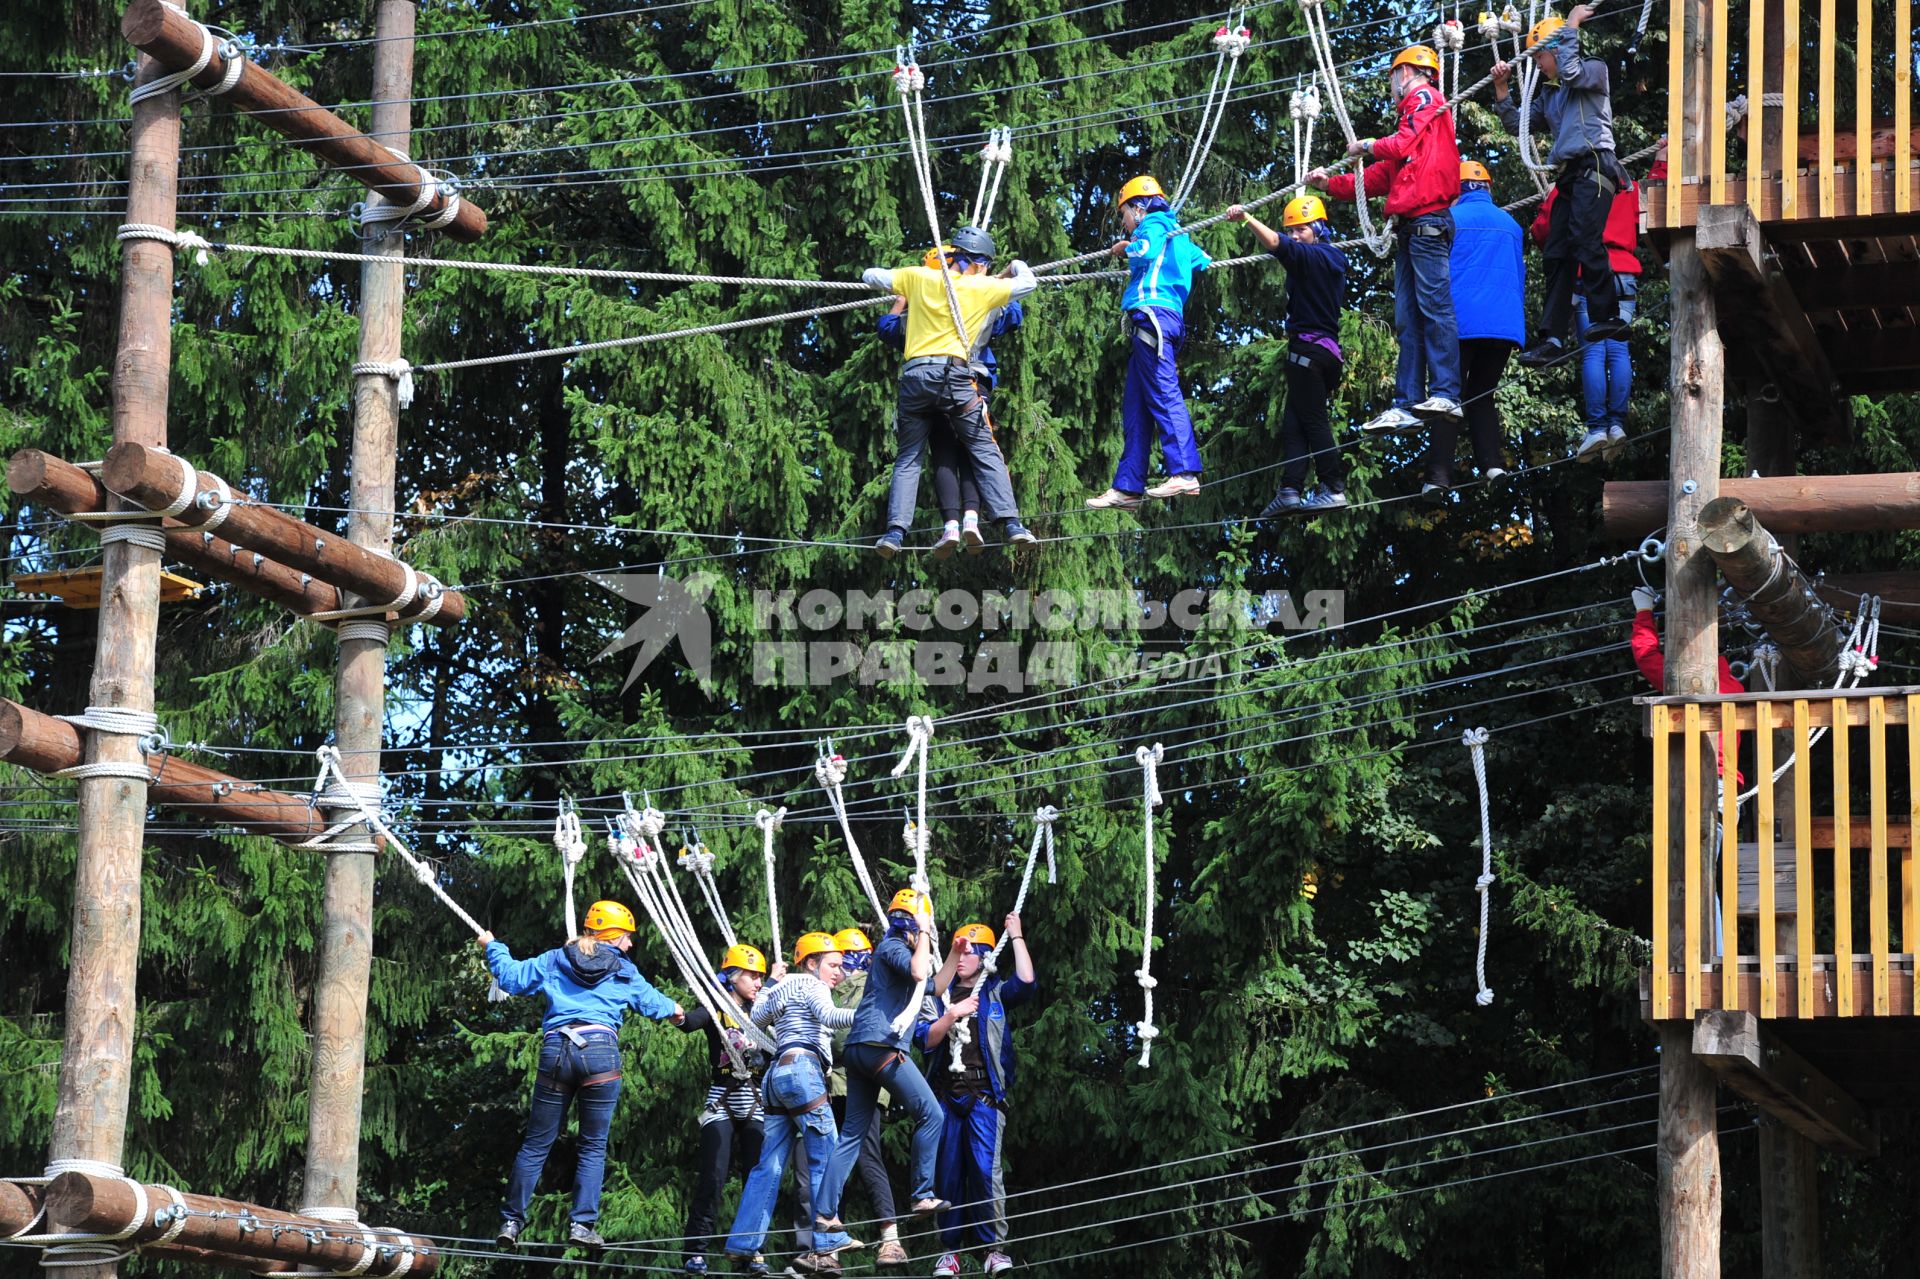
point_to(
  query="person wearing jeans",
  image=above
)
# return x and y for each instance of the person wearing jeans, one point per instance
(1606, 368)
(589, 985)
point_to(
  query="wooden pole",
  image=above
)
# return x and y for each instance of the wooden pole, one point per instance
(1789, 1203)
(152, 479)
(106, 1205)
(346, 951)
(1777, 595)
(1688, 1159)
(1631, 509)
(175, 41)
(96, 1054)
(47, 744)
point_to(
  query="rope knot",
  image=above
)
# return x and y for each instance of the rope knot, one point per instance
(1147, 1031)
(770, 821)
(831, 770)
(1474, 737)
(1232, 41)
(1149, 757)
(1147, 980)
(1483, 883)
(397, 369)
(1450, 35)
(652, 822)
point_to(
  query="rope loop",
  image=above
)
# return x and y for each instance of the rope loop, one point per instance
(398, 369)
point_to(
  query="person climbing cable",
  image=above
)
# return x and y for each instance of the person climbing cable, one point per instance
(1577, 109)
(1653, 664)
(1316, 282)
(799, 1007)
(1489, 302)
(589, 985)
(1160, 268)
(857, 953)
(953, 483)
(1417, 169)
(902, 973)
(732, 1120)
(938, 384)
(973, 1098)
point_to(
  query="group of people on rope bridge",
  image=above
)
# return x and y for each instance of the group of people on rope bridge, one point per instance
(844, 1018)
(1459, 299)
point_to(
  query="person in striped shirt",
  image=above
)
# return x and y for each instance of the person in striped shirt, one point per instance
(732, 1120)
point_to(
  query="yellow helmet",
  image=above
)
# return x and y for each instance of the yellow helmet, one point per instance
(1545, 29)
(907, 900)
(934, 256)
(1474, 171)
(1310, 885)
(745, 957)
(1417, 55)
(1145, 184)
(811, 944)
(1303, 210)
(608, 919)
(851, 939)
(976, 934)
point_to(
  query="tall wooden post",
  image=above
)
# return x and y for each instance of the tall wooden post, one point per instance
(96, 1056)
(346, 951)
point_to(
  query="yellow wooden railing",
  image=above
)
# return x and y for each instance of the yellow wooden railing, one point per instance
(1816, 977)
(1786, 177)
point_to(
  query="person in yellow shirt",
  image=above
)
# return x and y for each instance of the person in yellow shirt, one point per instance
(937, 382)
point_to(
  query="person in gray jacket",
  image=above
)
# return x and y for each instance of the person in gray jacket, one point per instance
(1577, 109)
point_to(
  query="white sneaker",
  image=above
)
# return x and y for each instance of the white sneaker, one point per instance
(1176, 486)
(998, 1262)
(1496, 473)
(1594, 447)
(1394, 419)
(1616, 441)
(1438, 406)
(1115, 500)
(947, 1267)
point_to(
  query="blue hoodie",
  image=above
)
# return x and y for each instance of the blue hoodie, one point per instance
(997, 996)
(1161, 265)
(1489, 270)
(598, 988)
(893, 331)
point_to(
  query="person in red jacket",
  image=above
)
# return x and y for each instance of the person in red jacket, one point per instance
(1606, 366)
(1417, 169)
(1653, 664)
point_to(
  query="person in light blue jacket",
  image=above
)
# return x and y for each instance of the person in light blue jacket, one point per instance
(1489, 303)
(589, 985)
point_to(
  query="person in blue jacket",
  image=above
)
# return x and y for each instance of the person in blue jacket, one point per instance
(1489, 300)
(953, 485)
(973, 1084)
(589, 985)
(1160, 266)
(1316, 282)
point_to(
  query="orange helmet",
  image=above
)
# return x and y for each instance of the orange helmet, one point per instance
(1545, 29)
(934, 256)
(851, 940)
(1145, 184)
(1417, 55)
(745, 958)
(977, 934)
(1474, 171)
(608, 920)
(908, 901)
(811, 944)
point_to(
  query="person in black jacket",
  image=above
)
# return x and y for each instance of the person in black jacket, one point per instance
(1316, 283)
(732, 1121)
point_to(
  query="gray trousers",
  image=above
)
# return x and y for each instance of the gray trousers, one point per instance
(935, 393)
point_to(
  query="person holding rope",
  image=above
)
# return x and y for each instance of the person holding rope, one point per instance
(1316, 283)
(589, 985)
(857, 953)
(1161, 264)
(938, 384)
(1577, 109)
(973, 1095)
(1417, 169)
(799, 1006)
(733, 1120)
(902, 974)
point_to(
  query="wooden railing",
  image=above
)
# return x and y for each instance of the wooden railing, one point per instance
(1868, 172)
(1802, 905)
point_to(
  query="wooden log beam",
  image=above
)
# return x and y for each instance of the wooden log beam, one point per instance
(174, 40)
(1777, 594)
(152, 479)
(19, 1205)
(46, 744)
(1765, 1071)
(1631, 509)
(82, 1202)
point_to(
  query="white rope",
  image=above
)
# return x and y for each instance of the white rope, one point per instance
(571, 844)
(697, 860)
(1859, 657)
(72, 1249)
(172, 239)
(1380, 243)
(995, 156)
(415, 585)
(1231, 43)
(831, 770)
(146, 535)
(174, 79)
(911, 83)
(1303, 105)
(1475, 740)
(768, 822)
(1450, 38)
(1043, 820)
(1529, 153)
(919, 733)
(1000, 176)
(397, 369)
(1148, 757)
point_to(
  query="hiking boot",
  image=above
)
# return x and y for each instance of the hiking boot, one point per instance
(818, 1263)
(1285, 502)
(1438, 406)
(754, 1263)
(1593, 448)
(694, 1265)
(1394, 419)
(927, 1207)
(970, 533)
(1616, 441)
(1324, 499)
(998, 1262)
(890, 1253)
(890, 544)
(1018, 534)
(1176, 486)
(1542, 354)
(508, 1236)
(949, 540)
(1115, 500)
(585, 1236)
(947, 1267)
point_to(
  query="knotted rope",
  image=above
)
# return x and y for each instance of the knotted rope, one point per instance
(911, 84)
(919, 733)
(1379, 243)
(995, 156)
(1303, 106)
(1043, 819)
(571, 844)
(1148, 757)
(1230, 43)
(1475, 740)
(697, 861)
(831, 770)
(769, 822)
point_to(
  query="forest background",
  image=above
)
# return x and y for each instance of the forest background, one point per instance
(763, 138)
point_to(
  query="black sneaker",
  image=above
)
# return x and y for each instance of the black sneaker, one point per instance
(1019, 534)
(508, 1236)
(1285, 502)
(1542, 354)
(586, 1237)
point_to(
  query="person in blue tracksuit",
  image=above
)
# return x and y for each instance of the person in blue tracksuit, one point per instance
(1489, 301)
(1161, 266)
(973, 1097)
(589, 985)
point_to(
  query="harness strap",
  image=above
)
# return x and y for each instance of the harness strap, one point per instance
(794, 1112)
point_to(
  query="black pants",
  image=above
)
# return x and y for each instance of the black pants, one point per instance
(873, 1168)
(1482, 361)
(1576, 236)
(1306, 430)
(936, 394)
(953, 486)
(721, 1141)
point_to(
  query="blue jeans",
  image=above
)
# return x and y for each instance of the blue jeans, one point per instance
(565, 1072)
(789, 1086)
(1606, 367)
(1423, 311)
(870, 1068)
(1152, 404)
